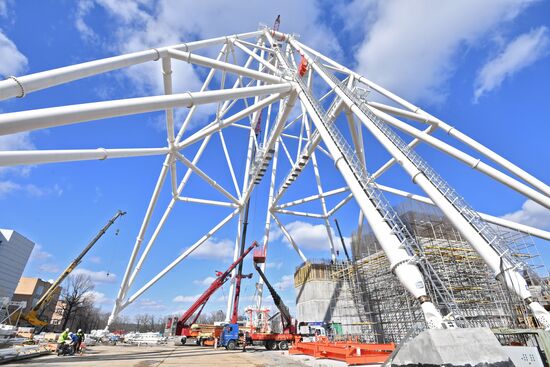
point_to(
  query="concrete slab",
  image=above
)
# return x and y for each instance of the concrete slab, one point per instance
(453, 347)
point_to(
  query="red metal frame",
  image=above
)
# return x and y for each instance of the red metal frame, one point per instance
(350, 352)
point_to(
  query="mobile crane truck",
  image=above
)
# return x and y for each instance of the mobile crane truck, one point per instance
(186, 329)
(231, 336)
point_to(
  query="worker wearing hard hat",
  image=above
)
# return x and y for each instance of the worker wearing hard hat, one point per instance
(80, 336)
(64, 336)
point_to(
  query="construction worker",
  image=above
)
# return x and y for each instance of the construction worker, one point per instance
(245, 338)
(74, 341)
(64, 336)
(80, 336)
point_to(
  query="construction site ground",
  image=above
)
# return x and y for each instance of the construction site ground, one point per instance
(168, 355)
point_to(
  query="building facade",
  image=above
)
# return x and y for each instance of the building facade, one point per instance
(15, 250)
(31, 290)
(58, 315)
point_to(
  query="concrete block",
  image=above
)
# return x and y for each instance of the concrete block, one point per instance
(453, 347)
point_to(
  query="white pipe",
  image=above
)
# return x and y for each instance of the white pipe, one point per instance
(225, 66)
(206, 178)
(512, 278)
(474, 163)
(339, 205)
(187, 199)
(166, 213)
(20, 157)
(313, 197)
(181, 257)
(289, 238)
(218, 125)
(542, 234)
(23, 85)
(299, 214)
(123, 289)
(57, 116)
(449, 129)
(401, 263)
(256, 57)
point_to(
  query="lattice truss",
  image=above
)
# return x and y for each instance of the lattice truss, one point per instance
(294, 107)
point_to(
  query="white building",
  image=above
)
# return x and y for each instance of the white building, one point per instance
(15, 250)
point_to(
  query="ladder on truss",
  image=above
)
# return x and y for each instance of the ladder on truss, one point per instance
(489, 234)
(443, 295)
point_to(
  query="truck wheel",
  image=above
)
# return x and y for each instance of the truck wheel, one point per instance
(283, 345)
(231, 345)
(183, 340)
(270, 345)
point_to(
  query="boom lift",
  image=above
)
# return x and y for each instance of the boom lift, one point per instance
(286, 319)
(32, 316)
(183, 327)
(232, 336)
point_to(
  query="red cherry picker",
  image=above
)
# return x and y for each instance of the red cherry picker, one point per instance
(184, 326)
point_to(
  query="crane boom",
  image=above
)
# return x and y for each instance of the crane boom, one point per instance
(216, 284)
(31, 316)
(283, 310)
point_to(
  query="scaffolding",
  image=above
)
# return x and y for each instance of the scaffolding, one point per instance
(373, 304)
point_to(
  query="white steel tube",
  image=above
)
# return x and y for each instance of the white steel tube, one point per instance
(186, 253)
(218, 125)
(225, 66)
(474, 163)
(449, 129)
(512, 278)
(313, 197)
(289, 238)
(537, 232)
(167, 212)
(57, 116)
(187, 199)
(299, 214)
(137, 245)
(23, 157)
(401, 263)
(23, 85)
(206, 178)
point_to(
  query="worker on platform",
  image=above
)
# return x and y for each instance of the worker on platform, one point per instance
(80, 339)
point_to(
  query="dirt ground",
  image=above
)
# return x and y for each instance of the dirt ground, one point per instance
(168, 355)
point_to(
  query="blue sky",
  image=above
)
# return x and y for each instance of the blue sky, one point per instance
(481, 66)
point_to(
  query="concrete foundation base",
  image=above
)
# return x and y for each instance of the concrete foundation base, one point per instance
(453, 347)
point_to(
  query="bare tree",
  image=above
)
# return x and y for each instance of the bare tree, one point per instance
(76, 295)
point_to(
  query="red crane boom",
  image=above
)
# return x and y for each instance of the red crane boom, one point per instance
(183, 326)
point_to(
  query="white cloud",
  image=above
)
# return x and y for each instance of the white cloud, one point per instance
(149, 304)
(410, 47)
(273, 264)
(532, 214)
(20, 141)
(309, 236)
(13, 61)
(206, 281)
(49, 268)
(521, 52)
(186, 299)
(95, 259)
(97, 276)
(39, 254)
(9, 187)
(286, 282)
(99, 298)
(214, 248)
(142, 24)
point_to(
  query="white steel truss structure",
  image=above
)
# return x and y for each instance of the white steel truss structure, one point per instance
(292, 103)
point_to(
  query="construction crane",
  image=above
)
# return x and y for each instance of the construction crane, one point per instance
(183, 327)
(32, 316)
(342, 239)
(286, 319)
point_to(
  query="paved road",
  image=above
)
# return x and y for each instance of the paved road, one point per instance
(164, 356)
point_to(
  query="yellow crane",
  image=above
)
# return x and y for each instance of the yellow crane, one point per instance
(32, 316)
